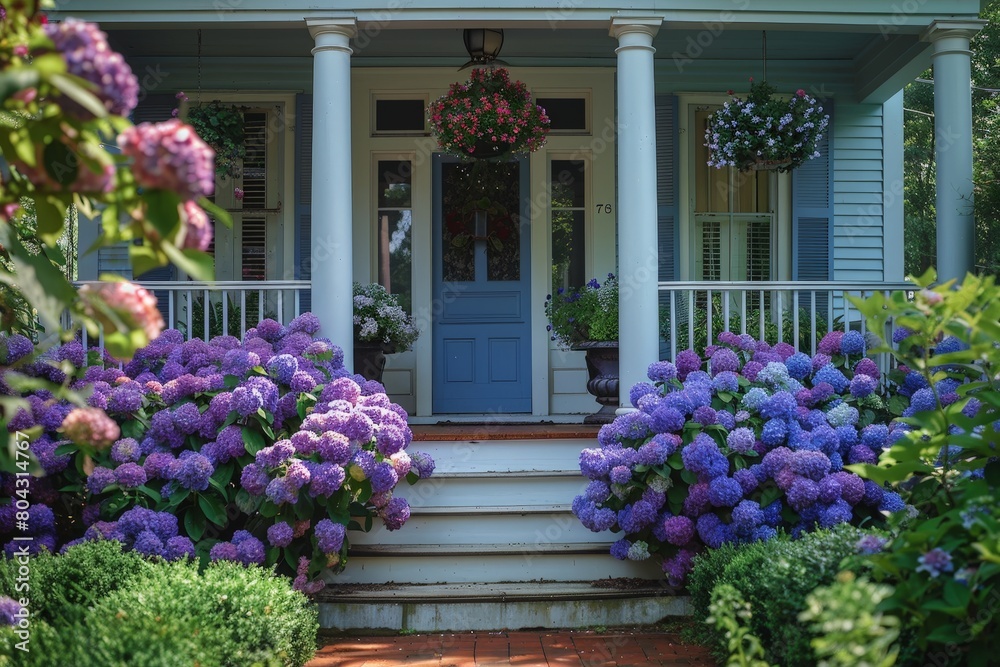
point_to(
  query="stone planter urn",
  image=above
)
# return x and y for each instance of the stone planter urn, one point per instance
(369, 359)
(602, 368)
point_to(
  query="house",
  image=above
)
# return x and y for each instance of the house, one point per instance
(343, 181)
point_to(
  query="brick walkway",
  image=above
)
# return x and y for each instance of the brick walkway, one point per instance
(527, 649)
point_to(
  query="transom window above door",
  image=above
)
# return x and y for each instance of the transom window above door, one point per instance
(399, 114)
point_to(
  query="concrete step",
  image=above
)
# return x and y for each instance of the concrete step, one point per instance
(496, 490)
(458, 528)
(491, 543)
(543, 564)
(396, 550)
(512, 457)
(477, 606)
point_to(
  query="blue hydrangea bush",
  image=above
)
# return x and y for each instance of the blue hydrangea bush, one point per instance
(750, 440)
(265, 451)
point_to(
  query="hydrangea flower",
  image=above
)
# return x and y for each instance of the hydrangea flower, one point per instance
(935, 562)
(84, 48)
(852, 343)
(170, 155)
(661, 371)
(870, 544)
(90, 426)
(329, 536)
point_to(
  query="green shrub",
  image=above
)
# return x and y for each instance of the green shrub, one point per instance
(850, 630)
(169, 615)
(83, 575)
(244, 615)
(944, 561)
(710, 565)
(731, 616)
(776, 577)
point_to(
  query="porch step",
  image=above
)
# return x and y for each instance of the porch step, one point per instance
(464, 607)
(555, 456)
(491, 543)
(456, 527)
(395, 550)
(512, 510)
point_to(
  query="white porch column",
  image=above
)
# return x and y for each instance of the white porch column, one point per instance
(956, 230)
(332, 265)
(638, 320)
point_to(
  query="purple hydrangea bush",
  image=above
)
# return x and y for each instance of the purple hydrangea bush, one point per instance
(735, 446)
(264, 450)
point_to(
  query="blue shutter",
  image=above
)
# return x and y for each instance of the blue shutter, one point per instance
(666, 185)
(812, 217)
(667, 199)
(303, 193)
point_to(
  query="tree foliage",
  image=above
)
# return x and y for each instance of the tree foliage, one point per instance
(919, 175)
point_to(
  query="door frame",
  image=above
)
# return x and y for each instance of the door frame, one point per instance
(556, 385)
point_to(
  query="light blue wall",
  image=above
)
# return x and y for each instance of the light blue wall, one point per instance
(859, 245)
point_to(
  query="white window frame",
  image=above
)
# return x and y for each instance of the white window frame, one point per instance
(570, 93)
(377, 95)
(781, 196)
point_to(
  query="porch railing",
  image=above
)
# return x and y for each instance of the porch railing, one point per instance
(692, 314)
(205, 310)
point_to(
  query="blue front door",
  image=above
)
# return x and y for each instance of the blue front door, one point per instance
(482, 324)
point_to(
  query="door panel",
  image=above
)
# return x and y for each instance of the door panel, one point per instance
(482, 328)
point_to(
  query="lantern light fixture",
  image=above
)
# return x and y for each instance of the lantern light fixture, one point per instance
(483, 45)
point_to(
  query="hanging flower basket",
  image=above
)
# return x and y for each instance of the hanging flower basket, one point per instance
(762, 132)
(771, 165)
(488, 116)
(221, 127)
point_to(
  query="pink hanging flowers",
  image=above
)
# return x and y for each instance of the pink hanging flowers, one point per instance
(488, 115)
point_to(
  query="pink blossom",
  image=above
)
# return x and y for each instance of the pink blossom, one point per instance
(134, 304)
(197, 227)
(170, 155)
(90, 426)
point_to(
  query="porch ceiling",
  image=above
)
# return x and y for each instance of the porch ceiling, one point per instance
(522, 46)
(863, 65)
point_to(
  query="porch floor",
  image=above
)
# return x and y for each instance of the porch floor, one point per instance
(486, 430)
(615, 648)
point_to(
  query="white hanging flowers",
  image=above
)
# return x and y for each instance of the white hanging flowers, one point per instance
(764, 132)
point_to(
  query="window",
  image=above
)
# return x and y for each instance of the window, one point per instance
(566, 114)
(252, 248)
(733, 217)
(400, 115)
(568, 183)
(394, 229)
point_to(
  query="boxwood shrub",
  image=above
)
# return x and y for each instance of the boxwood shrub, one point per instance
(775, 577)
(121, 610)
(82, 575)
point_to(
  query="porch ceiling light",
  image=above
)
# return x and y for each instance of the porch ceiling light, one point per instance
(483, 45)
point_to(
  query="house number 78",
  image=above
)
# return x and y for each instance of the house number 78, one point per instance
(604, 208)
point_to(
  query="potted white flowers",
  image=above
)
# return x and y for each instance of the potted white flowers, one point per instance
(381, 327)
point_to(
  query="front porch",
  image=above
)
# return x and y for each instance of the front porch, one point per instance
(352, 187)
